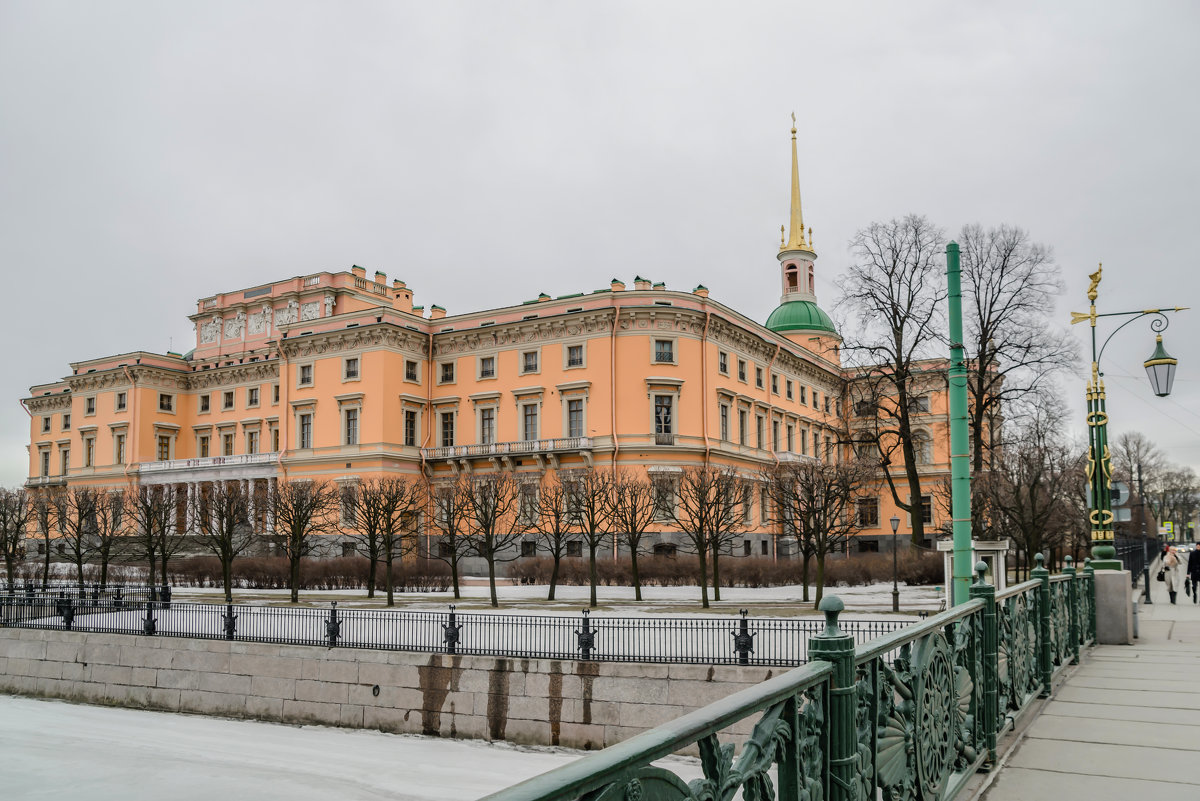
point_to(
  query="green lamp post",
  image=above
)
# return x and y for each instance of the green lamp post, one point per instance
(1160, 368)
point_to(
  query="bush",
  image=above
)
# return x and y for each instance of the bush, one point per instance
(340, 573)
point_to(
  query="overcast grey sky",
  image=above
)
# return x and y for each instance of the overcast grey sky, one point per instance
(152, 153)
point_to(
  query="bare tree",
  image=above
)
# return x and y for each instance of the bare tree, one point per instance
(896, 290)
(74, 511)
(449, 505)
(555, 524)
(633, 511)
(154, 535)
(703, 502)
(222, 525)
(43, 513)
(590, 501)
(402, 501)
(363, 517)
(1009, 286)
(1138, 461)
(817, 502)
(303, 511)
(1032, 480)
(111, 527)
(493, 526)
(16, 513)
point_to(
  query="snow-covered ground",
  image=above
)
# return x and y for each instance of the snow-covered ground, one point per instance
(869, 599)
(54, 750)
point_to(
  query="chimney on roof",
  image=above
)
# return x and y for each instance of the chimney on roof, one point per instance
(361, 272)
(436, 312)
(641, 283)
(401, 296)
(617, 285)
(380, 277)
(701, 291)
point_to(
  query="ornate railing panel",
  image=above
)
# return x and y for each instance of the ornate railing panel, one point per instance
(788, 739)
(908, 716)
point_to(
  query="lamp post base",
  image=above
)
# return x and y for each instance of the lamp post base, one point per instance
(1104, 556)
(895, 600)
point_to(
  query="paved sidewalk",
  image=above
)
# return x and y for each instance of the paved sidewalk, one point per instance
(1125, 725)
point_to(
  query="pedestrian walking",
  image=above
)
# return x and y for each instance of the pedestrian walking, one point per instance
(1193, 572)
(1169, 572)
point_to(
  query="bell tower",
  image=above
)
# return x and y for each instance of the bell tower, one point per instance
(798, 311)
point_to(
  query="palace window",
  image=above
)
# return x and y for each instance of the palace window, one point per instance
(743, 425)
(529, 417)
(350, 369)
(252, 396)
(66, 422)
(164, 448)
(447, 429)
(664, 420)
(788, 386)
(305, 430)
(487, 426)
(664, 499)
(758, 377)
(827, 403)
(816, 405)
(804, 442)
(867, 512)
(202, 446)
(528, 548)
(166, 403)
(251, 442)
(775, 435)
(575, 418)
(759, 440)
(922, 447)
(89, 405)
(89, 451)
(723, 362)
(664, 351)
(227, 400)
(351, 426)
(306, 375)
(574, 548)
(274, 440)
(64, 461)
(803, 394)
(791, 435)
(121, 401)
(227, 444)
(447, 374)
(529, 361)
(487, 367)
(45, 463)
(205, 401)
(724, 422)
(45, 425)
(274, 393)
(410, 427)
(410, 370)
(774, 384)
(918, 404)
(927, 510)
(865, 408)
(741, 370)
(575, 356)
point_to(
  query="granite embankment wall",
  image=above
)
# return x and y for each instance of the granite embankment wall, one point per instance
(530, 701)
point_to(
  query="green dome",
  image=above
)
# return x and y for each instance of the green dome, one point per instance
(800, 315)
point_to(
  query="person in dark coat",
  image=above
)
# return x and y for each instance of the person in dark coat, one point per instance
(1193, 572)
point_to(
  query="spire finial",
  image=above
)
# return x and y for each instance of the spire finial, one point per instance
(796, 239)
(782, 237)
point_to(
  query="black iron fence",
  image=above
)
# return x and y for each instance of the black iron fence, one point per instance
(85, 595)
(1137, 555)
(743, 640)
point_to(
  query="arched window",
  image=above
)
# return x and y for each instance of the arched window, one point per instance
(792, 280)
(812, 288)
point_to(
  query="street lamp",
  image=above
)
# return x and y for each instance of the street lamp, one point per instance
(1160, 368)
(895, 521)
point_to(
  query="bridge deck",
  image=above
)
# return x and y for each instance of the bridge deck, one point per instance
(1125, 725)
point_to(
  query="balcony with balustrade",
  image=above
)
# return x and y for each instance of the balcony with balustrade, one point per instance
(210, 468)
(546, 452)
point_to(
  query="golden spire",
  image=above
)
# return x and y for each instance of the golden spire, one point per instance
(796, 240)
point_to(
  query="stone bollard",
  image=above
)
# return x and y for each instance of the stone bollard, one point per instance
(990, 660)
(837, 648)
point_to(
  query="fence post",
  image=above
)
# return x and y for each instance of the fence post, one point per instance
(149, 624)
(743, 639)
(837, 648)
(229, 618)
(333, 626)
(990, 659)
(1045, 652)
(1072, 609)
(1089, 574)
(586, 637)
(450, 633)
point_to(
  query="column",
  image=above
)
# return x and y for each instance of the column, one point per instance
(250, 495)
(270, 521)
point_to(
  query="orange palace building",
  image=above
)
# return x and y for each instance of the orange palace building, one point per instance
(339, 376)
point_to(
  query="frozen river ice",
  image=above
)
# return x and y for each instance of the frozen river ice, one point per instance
(59, 750)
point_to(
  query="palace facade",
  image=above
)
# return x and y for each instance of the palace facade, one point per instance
(339, 376)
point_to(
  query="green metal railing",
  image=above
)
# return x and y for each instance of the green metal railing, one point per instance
(910, 715)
